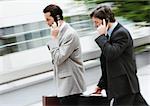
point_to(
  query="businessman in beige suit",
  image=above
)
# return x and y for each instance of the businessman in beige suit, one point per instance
(65, 50)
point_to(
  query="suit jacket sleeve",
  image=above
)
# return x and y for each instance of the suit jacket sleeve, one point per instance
(116, 47)
(101, 83)
(61, 53)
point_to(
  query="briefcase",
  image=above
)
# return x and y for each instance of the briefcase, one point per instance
(94, 101)
(50, 101)
(83, 101)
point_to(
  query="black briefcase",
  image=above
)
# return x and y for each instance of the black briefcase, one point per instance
(83, 101)
(93, 100)
(50, 101)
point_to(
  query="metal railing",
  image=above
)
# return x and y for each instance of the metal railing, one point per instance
(81, 27)
(45, 66)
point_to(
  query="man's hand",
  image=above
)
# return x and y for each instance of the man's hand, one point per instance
(54, 30)
(102, 29)
(98, 90)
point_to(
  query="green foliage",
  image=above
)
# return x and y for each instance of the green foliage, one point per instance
(136, 10)
(133, 10)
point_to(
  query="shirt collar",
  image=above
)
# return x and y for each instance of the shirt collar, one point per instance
(109, 32)
(62, 26)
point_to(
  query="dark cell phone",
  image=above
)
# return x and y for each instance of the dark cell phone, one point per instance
(58, 18)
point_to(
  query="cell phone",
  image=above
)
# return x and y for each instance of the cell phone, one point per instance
(58, 19)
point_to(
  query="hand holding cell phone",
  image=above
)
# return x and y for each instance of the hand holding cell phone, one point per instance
(102, 29)
(55, 27)
(54, 30)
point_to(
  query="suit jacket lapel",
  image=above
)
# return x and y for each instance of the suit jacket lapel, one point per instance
(116, 28)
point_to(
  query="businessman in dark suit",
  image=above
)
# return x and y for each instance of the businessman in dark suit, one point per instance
(118, 63)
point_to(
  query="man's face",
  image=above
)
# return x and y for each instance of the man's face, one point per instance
(97, 22)
(49, 18)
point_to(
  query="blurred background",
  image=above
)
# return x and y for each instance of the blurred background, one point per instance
(25, 62)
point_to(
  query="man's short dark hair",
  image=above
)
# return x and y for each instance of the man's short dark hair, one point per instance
(54, 11)
(103, 12)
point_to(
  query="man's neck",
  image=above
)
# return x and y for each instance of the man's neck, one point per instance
(110, 25)
(61, 22)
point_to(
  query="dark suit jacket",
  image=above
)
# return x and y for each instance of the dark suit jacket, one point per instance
(118, 63)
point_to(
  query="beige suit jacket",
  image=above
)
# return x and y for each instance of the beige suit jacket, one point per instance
(68, 64)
